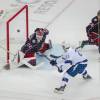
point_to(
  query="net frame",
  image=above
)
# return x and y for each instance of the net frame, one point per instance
(8, 30)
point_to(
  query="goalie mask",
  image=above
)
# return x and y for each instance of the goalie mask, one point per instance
(39, 34)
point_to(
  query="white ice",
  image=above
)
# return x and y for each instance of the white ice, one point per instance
(38, 84)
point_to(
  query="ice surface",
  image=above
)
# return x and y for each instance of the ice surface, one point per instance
(28, 84)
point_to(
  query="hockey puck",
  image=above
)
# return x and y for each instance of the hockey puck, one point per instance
(18, 30)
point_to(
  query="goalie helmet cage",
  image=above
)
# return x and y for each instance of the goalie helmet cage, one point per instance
(25, 8)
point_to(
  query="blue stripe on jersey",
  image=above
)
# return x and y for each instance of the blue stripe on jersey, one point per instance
(68, 61)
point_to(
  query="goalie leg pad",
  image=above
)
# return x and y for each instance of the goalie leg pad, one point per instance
(32, 62)
(29, 55)
(20, 56)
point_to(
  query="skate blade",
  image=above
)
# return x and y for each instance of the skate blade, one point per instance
(58, 92)
(88, 78)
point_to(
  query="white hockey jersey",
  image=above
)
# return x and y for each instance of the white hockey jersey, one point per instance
(71, 57)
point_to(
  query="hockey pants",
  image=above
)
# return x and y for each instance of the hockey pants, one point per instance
(78, 69)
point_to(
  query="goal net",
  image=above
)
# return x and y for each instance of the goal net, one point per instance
(13, 34)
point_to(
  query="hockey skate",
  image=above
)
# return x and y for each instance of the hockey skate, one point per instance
(60, 90)
(86, 77)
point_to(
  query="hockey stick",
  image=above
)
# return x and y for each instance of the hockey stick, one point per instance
(43, 55)
(48, 59)
(53, 56)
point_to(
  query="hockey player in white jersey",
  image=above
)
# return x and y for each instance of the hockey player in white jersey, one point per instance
(72, 63)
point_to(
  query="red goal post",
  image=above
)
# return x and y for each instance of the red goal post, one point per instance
(24, 8)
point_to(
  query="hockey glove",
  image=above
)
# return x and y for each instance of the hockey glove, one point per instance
(53, 62)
